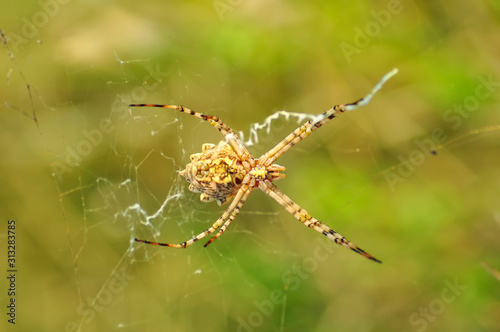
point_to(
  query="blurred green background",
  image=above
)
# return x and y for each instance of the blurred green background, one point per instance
(90, 174)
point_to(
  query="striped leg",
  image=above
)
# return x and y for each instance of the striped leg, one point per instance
(299, 134)
(234, 214)
(304, 217)
(215, 121)
(243, 192)
(307, 128)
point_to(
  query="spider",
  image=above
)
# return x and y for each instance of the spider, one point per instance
(227, 171)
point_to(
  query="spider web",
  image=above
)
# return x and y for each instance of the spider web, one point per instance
(85, 175)
(119, 172)
(108, 172)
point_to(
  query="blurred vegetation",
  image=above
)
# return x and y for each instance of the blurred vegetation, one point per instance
(433, 219)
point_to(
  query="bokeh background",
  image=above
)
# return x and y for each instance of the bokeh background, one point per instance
(411, 178)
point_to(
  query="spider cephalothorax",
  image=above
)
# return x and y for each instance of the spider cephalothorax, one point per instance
(228, 171)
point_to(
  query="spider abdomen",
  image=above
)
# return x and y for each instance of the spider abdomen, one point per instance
(216, 173)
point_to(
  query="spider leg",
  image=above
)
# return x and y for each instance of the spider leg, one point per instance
(307, 128)
(299, 134)
(215, 121)
(304, 217)
(234, 204)
(234, 214)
